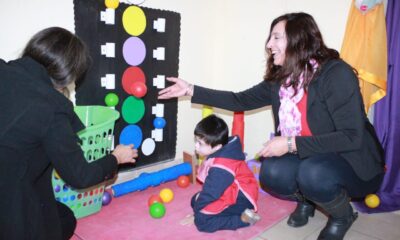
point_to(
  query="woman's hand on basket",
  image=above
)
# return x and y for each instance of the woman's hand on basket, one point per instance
(179, 89)
(125, 153)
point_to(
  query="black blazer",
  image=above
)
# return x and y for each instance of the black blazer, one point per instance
(38, 132)
(335, 115)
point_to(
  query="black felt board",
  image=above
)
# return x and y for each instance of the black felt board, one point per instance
(89, 92)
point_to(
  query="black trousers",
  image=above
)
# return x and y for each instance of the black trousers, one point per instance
(67, 219)
(319, 178)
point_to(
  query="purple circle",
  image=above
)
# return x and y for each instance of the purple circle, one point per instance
(134, 51)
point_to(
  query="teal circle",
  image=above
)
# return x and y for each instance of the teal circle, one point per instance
(157, 210)
(111, 99)
(132, 109)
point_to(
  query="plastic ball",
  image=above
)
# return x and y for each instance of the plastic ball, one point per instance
(157, 210)
(56, 175)
(159, 122)
(166, 195)
(111, 99)
(153, 199)
(111, 3)
(138, 89)
(183, 181)
(106, 199)
(57, 188)
(372, 200)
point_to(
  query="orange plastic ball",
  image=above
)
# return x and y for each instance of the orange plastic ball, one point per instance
(153, 199)
(166, 195)
(372, 200)
(183, 181)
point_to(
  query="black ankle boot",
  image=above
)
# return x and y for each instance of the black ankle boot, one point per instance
(341, 217)
(303, 211)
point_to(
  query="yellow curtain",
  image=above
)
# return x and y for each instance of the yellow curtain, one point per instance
(365, 48)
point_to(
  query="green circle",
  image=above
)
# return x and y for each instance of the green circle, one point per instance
(111, 99)
(132, 109)
(157, 210)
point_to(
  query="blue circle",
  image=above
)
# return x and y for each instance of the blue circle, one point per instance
(131, 134)
(159, 122)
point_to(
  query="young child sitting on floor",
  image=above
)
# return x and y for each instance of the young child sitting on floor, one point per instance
(228, 199)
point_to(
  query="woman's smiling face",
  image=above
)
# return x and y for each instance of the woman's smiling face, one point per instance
(277, 43)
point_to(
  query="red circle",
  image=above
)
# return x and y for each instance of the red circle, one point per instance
(183, 181)
(154, 198)
(130, 76)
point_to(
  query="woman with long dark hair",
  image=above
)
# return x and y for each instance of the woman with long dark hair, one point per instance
(325, 151)
(38, 134)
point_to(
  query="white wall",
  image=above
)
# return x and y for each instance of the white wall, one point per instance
(222, 45)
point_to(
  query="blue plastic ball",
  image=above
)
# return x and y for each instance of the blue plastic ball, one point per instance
(159, 122)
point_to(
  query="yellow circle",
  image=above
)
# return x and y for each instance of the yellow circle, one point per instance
(372, 200)
(111, 3)
(166, 195)
(134, 20)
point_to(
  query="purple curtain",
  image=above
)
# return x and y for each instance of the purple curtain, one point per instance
(387, 118)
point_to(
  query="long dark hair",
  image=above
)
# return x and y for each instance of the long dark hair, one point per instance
(304, 42)
(62, 53)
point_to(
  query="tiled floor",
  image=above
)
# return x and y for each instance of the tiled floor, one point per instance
(379, 226)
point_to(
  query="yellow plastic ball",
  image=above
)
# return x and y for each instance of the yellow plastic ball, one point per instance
(111, 3)
(56, 175)
(166, 195)
(372, 200)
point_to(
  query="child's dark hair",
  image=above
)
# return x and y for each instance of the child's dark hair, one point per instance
(212, 130)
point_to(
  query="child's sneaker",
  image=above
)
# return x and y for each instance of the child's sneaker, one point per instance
(249, 216)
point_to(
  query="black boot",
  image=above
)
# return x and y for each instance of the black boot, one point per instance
(341, 217)
(300, 216)
(303, 211)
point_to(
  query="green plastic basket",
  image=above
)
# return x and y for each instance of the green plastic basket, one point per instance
(96, 143)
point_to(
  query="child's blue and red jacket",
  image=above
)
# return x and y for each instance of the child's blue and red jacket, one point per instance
(223, 174)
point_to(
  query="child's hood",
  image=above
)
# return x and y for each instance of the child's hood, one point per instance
(232, 150)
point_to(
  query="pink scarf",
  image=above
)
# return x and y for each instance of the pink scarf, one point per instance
(289, 114)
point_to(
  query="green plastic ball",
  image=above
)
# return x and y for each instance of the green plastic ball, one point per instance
(157, 210)
(111, 99)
